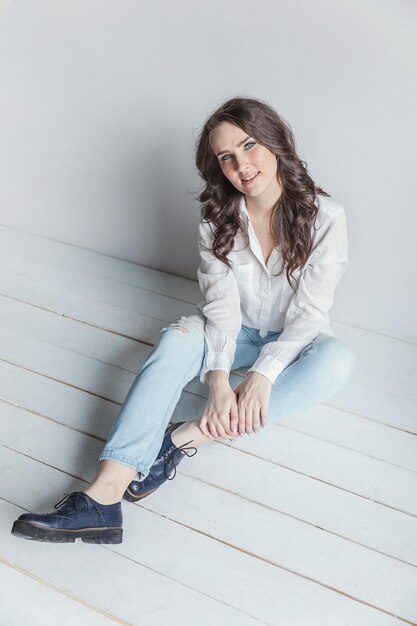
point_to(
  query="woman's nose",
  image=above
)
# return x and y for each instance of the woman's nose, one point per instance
(242, 163)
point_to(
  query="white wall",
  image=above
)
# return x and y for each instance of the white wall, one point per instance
(101, 101)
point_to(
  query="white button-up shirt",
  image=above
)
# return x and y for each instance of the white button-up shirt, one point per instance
(249, 294)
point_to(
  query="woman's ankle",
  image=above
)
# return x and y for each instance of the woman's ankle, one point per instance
(189, 432)
(110, 482)
(103, 496)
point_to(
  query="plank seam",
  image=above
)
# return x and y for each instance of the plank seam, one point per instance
(65, 592)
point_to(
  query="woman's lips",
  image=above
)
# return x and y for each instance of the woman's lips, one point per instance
(249, 182)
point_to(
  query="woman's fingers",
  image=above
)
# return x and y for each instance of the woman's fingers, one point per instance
(256, 421)
(226, 427)
(203, 425)
(221, 430)
(263, 417)
(242, 421)
(252, 404)
(234, 420)
(213, 431)
(248, 421)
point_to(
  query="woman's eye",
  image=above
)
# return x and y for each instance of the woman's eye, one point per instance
(250, 143)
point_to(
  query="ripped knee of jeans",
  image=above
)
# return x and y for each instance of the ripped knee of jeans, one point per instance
(186, 324)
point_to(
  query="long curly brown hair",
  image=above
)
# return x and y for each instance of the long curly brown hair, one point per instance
(294, 214)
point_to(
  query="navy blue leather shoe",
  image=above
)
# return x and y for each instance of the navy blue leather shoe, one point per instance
(167, 460)
(78, 515)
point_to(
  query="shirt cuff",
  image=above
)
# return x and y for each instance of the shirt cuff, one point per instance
(215, 361)
(268, 366)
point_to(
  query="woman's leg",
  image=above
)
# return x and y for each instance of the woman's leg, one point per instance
(138, 431)
(95, 514)
(322, 369)
(136, 435)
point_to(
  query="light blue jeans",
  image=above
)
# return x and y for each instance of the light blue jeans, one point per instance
(320, 371)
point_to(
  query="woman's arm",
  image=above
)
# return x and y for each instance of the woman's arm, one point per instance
(308, 311)
(221, 308)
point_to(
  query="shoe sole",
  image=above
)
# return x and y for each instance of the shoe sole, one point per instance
(87, 535)
(131, 498)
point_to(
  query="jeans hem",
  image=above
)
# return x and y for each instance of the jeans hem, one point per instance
(125, 460)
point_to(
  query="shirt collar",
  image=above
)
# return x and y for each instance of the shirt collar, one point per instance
(243, 209)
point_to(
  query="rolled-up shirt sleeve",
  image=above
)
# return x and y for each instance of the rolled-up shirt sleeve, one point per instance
(221, 306)
(308, 311)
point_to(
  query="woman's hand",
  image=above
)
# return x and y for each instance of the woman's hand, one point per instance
(221, 409)
(253, 398)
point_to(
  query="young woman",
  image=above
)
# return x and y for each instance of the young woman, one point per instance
(273, 247)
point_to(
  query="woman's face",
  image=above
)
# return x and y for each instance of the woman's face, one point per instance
(241, 157)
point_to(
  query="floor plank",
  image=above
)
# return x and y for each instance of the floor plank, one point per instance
(40, 603)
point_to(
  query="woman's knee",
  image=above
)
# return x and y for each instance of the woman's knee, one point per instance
(188, 324)
(185, 334)
(180, 349)
(338, 358)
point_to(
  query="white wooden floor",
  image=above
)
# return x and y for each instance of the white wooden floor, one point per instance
(309, 523)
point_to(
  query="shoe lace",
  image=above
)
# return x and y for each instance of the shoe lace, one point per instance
(64, 499)
(80, 505)
(170, 459)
